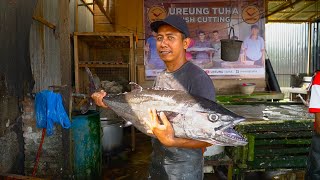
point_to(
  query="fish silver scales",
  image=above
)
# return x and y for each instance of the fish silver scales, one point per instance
(191, 116)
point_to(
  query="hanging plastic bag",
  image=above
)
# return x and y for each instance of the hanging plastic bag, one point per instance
(50, 110)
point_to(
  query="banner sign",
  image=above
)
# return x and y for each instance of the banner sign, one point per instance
(239, 24)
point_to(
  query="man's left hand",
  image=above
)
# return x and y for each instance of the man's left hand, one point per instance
(164, 132)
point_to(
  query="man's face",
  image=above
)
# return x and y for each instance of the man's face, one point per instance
(202, 36)
(255, 31)
(170, 45)
(215, 36)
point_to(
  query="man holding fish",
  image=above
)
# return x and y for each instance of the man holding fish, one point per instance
(173, 157)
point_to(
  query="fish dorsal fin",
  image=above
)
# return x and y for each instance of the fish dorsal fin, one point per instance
(135, 87)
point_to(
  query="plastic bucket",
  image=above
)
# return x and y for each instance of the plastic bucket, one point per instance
(230, 49)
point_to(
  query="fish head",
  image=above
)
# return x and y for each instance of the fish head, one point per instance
(217, 127)
(223, 123)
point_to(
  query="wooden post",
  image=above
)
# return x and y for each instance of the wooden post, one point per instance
(87, 6)
(44, 21)
(309, 47)
(76, 15)
(76, 63)
(65, 70)
(251, 139)
(132, 75)
(230, 171)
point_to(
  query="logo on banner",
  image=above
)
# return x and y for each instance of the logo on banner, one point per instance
(156, 13)
(251, 14)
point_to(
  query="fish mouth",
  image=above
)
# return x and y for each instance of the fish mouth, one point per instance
(231, 137)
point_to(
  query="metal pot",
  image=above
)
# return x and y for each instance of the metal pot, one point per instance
(112, 135)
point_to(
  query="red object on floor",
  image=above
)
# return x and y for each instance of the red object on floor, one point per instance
(39, 152)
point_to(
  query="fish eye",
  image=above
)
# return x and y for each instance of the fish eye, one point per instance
(213, 117)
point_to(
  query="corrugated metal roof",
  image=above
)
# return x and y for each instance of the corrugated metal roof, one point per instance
(293, 10)
(287, 48)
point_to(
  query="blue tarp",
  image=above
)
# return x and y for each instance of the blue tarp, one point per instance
(50, 110)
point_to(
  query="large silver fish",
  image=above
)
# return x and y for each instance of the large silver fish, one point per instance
(191, 117)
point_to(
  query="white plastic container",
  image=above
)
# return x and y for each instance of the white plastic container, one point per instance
(248, 88)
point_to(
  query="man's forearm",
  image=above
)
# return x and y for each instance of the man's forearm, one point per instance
(187, 143)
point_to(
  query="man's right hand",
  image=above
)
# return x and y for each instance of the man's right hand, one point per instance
(98, 96)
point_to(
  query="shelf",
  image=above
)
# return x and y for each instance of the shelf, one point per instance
(108, 54)
(103, 64)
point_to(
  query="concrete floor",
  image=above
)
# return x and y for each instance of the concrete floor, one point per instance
(128, 165)
(134, 165)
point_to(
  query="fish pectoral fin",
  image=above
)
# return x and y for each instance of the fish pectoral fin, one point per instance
(171, 116)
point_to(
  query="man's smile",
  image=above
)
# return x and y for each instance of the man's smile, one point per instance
(164, 52)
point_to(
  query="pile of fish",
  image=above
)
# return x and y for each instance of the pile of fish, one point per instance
(191, 116)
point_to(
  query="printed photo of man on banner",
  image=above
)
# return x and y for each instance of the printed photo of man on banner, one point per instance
(215, 28)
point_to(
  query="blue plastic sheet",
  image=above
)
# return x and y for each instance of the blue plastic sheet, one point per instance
(50, 110)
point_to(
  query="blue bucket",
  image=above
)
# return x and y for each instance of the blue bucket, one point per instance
(87, 148)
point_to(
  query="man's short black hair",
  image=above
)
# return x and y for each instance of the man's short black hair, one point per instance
(201, 32)
(254, 26)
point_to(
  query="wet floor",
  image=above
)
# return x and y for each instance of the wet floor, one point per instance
(133, 165)
(125, 164)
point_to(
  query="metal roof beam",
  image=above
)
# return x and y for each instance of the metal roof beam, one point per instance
(288, 21)
(301, 10)
(314, 17)
(283, 7)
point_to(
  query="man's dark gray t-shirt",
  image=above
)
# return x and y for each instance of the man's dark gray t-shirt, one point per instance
(181, 163)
